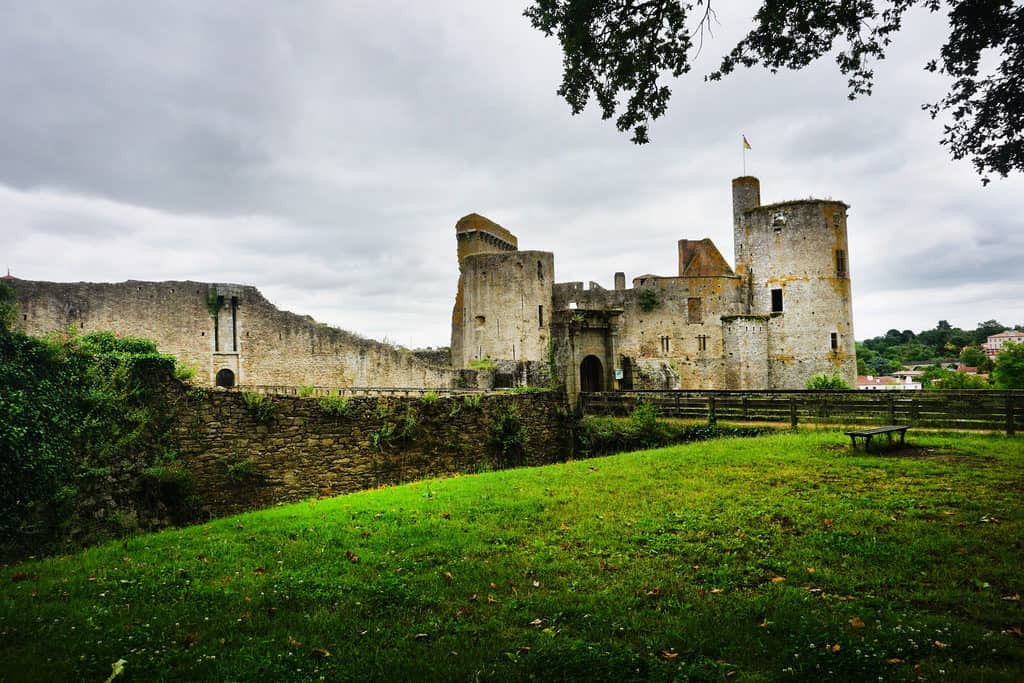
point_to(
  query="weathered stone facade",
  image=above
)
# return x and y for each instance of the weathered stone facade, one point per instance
(229, 333)
(239, 462)
(783, 315)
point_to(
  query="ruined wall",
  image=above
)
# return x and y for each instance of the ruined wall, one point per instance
(258, 342)
(800, 249)
(239, 463)
(506, 306)
(745, 340)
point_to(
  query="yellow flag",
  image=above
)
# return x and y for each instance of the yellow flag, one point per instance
(746, 145)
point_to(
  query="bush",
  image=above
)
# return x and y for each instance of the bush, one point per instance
(261, 407)
(648, 299)
(429, 398)
(508, 438)
(825, 382)
(243, 470)
(305, 391)
(484, 364)
(336, 406)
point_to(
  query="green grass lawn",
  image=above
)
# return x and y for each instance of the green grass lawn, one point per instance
(773, 558)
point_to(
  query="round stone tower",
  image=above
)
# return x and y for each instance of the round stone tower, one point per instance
(793, 258)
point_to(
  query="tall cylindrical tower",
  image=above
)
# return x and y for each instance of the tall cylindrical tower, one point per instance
(794, 258)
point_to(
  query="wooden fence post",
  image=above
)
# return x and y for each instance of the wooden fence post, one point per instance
(792, 412)
(712, 418)
(1011, 427)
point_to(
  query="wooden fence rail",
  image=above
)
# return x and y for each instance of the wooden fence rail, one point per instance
(985, 410)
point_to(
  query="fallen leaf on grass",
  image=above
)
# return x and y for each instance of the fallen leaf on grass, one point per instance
(857, 622)
(422, 636)
(473, 597)
(563, 527)
(827, 523)
(716, 590)
(259, 570)
(445, 515)
(491, 600)
(523, 650)
(895, 660)
(778, 579)
(810, 570)
(836, 648)
(352, 557)
(319, 653)
(654, 592)
(605, 567)
(941, 645)
(294, 643)
(116, 669)
(536, 584)
(240, 526)
(1012, 598)
(447, 576)
(536, 622)
(23, 576)
(668, 656)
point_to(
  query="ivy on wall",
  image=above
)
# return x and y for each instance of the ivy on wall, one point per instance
(71, 408)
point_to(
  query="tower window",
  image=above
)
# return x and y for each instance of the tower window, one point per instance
(693, 310)
(540, 316)
(776, 301)
(835, 341)
(665, 344)
(540, 271)
(702, 342)
(840, 263)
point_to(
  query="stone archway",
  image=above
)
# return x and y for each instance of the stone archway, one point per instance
(225, 378)
(591, 374)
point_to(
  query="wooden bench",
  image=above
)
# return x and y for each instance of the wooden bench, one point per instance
(866, 434)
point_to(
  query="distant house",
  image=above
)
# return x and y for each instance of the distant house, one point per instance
(995, 343)
(887, 383)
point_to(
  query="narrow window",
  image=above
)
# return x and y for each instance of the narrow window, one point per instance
(540, 316)
(776, 301)
(702, 342)
(540, 271)
(693, 310)
(840, 263)
(835, 341)
(234, 323)
(664, 344)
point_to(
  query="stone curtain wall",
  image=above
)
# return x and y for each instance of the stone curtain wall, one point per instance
(239, 462)
(258, 342)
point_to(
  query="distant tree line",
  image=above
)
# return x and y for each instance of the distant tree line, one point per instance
(941, 349)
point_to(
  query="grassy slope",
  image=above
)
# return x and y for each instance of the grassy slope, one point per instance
(656, 564)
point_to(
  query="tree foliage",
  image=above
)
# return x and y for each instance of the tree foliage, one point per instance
(620, 52)
(1009, 368)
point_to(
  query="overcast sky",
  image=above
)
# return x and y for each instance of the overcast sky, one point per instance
(323, 151)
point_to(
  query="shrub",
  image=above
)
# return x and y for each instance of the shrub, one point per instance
(336, 406)
(826, 382)
(608, 435)
(183, 372)
(242, 470)
(484, 364)
(648, 300)
(472, 401)
(508, 438)
(305, 391)
(383, 437)
(261, 407)
(429, 398)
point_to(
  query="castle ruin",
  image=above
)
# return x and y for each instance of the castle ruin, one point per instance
(782, 316)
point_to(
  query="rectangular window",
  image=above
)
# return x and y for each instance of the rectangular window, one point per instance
(776, 301)
(702, 342)
(835, 341)
(693, 310)
(840, 263)
(664, 344)
(540, 316)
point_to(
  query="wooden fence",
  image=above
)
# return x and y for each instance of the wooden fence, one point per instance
(987, 410)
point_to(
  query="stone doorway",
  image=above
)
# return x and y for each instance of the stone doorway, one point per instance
(591, 374)
(225, 378)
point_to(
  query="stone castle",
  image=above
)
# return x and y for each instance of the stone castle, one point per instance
(783, 315)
